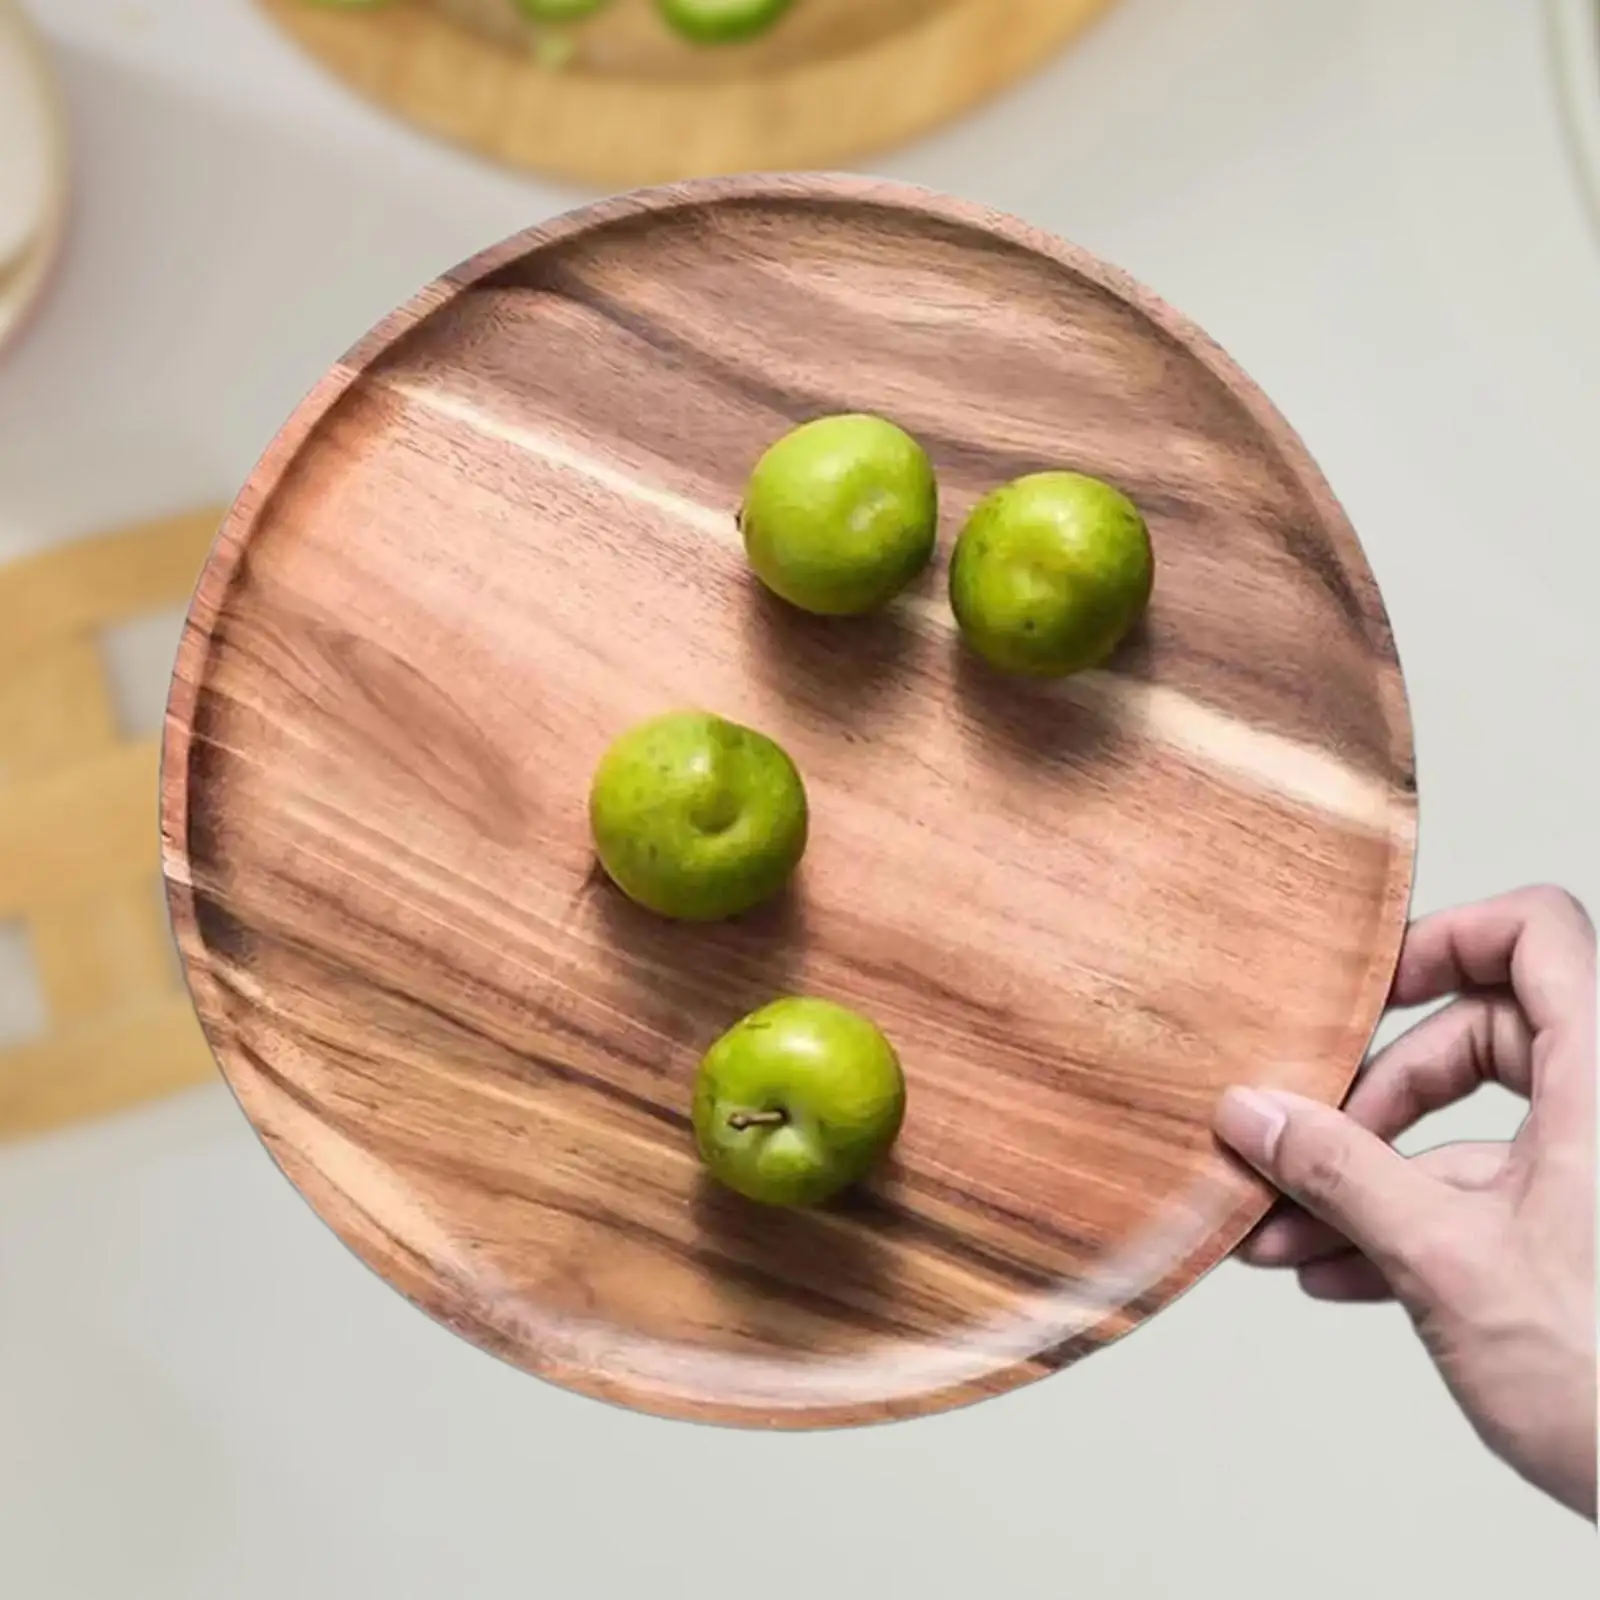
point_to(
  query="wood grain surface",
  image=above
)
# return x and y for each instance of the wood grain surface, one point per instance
(836, 79)
(78, 860)
(502, 530)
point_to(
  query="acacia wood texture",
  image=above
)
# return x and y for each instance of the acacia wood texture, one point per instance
(502, 530)
(836, 79)
(79, 863)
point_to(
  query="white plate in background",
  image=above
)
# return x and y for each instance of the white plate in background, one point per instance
(33, 167)
(1575, 28)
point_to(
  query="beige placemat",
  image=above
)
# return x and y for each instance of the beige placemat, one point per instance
(79, 847)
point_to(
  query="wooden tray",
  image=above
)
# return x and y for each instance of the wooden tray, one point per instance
(501, 530)
(835, 80)
(78, 857)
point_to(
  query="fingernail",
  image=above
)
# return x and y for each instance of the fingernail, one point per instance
(1252, 1122)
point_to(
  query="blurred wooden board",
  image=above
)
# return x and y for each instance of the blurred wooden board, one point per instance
(78, 855)
(836, 79)
(502, 530)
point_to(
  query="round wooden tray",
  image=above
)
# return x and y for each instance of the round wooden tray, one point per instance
(501, 530)
(835, 80)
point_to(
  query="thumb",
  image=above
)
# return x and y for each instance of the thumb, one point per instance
(1335, 1169)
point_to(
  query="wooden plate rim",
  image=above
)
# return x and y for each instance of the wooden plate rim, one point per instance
(256, 496)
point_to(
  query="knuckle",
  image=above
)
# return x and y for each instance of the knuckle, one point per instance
(1489, 1018)
(1559, 903)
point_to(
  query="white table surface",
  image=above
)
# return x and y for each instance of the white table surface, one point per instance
(201, 1394)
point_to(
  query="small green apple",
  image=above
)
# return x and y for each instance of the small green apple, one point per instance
(697, 818)
(1050, 572)
(721, 21)
(797, 1101)
(841, 514)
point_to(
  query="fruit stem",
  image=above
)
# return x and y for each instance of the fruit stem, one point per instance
(740, 1120)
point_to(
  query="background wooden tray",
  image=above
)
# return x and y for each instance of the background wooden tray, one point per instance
(502, 530)
(78, 857)
(838, 79)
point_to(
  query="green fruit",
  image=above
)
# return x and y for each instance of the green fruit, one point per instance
(797, 1101)
(557, 10)
(841, 514)
(697, 818)
(721, 21)
(1050, 573)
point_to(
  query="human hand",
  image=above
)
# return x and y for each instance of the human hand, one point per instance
(1490, 1248)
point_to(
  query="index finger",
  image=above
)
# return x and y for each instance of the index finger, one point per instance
(1539, 942)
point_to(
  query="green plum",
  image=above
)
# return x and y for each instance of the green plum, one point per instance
(721, 21)
(697, 818)
(797, 1101)
(841, 514)
(1050, 572)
